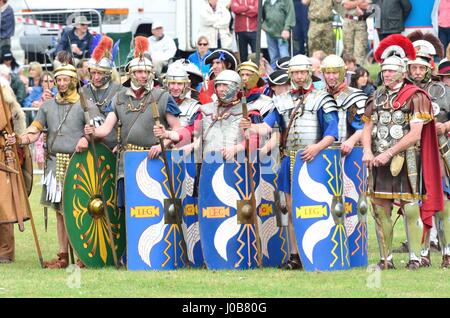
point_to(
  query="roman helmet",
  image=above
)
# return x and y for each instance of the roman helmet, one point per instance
(233, 80)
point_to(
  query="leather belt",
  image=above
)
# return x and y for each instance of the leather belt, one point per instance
(354, 17)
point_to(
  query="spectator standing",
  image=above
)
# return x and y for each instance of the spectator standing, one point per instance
(7, 25)
(355, 28)
(320, 33)
(161, 47)
(77, 40)
(278, 20)
(444, 22)
(300, 31)
(393, 14)
(245, 25)
(215, 24)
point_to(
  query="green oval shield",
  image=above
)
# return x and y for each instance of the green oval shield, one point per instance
(87, 194)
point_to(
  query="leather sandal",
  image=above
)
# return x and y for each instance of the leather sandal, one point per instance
(413, 264)
(388, 265)
(61, 262)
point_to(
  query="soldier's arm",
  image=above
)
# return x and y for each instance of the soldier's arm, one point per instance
(106, 128)
(30, 135)
(366, 137)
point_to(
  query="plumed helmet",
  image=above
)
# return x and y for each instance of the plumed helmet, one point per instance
(427, 45)
(101, 59)
(140, 62)
(333, 63)
(393, 51)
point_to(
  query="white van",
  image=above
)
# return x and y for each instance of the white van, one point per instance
(43, 20)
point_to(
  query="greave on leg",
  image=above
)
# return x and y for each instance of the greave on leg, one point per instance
(383, 223)
(443, 228)
(414, 228)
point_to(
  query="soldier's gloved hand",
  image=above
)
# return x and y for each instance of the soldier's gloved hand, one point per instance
(245, 123)
(346, 147)
(159, 131)
(154, 152)
(11, 139)
(89, 130)
(440, 128)
(82, 144)
(310, 153)
(368, 158)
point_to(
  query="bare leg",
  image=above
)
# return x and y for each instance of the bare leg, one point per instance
(63, 240)
(292, 240)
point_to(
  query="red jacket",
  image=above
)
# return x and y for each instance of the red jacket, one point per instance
(246, 11)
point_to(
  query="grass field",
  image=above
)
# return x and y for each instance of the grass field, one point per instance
(25, 278)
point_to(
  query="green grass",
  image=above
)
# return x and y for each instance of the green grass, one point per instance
(25, 278)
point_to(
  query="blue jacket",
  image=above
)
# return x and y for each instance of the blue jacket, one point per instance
(35, 95)
(200, 62)
(83, 44)
(7, 23)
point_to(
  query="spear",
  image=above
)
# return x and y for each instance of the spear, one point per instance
(100, 188)
(155, 113)
(249, 168)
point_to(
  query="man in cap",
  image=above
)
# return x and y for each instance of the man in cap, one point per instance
(101, 88)
(303, 107)
(161, 47)
(220, 60)
(444, 72)
(399, 130)
(420, 71)
(77, 40)
(132, 106)
(63, 118)
(350, 101)
(279, 83)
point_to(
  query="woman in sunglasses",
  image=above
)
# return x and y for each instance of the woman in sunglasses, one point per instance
(199, 56)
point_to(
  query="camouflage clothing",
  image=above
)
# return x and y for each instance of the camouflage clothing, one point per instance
(320, 35)
(355, 39)
(355, 33)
